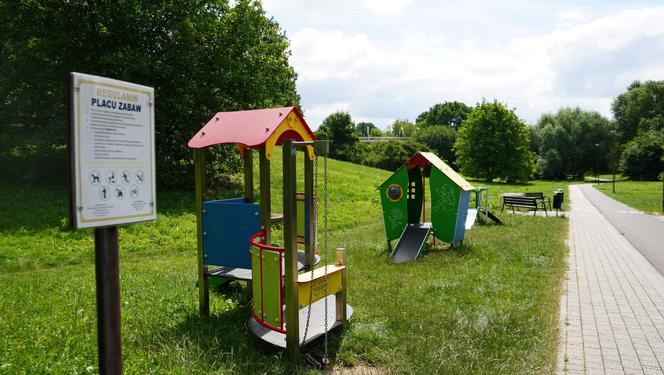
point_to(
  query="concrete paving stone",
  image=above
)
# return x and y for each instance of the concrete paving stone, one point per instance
(648, 362)
(611, 371)
(613, 364)
(633, 371)
(652, 371)
(631, 363)
(613, 299)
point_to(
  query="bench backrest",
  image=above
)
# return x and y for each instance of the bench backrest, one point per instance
(520, 201)
(537, 195)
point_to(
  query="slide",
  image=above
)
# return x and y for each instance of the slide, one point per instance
(493, 217)
(411, 242)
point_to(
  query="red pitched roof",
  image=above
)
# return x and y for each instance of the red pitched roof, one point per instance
(250, 128)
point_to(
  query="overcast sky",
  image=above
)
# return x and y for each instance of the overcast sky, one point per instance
(381, 60)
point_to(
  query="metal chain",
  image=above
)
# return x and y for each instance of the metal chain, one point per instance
(315, 241)
(325, 234)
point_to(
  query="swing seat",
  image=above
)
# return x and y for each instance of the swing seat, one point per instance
(306, 282)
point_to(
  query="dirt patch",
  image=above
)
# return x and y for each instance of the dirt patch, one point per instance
(360, 370)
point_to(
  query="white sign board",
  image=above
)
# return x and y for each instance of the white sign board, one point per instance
(112, 152)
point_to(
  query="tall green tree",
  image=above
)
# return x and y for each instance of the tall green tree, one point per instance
(340, 130)
(639, 109)
(441, 140)
(365, 129)
(201, 56)
(494, 143)
(450, 114)
(642, 157)
(572, 142)
(403, 128)
(639, 114)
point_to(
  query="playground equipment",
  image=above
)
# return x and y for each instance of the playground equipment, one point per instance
(402, 200)
(482, 206)
(235, 235)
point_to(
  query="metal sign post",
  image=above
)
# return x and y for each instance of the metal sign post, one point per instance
(112, 182)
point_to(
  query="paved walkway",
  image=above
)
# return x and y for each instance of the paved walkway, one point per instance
(645, 232)
(612, 308)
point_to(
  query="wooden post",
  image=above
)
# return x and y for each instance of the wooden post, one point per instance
(107, 273)
(265, 202)
(248, 175)
(309, 202)
(248, 158)
(290, 248)
(340, 297)
(199, 172)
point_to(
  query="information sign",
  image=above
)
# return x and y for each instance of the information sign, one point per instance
(112, 152)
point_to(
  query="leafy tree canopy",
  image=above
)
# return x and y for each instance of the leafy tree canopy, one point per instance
(364, 129)
(403, 128)
(639, 109)
(200, 56)
(494, 143)
(441, 140)
(570, 143)
(392, 154)
(450, 114)
(643, 156)
(342, 133)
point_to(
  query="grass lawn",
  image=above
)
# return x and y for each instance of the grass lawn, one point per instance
(488, 307)
(642, 195)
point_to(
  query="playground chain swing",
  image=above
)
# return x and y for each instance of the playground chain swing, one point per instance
(235, 239)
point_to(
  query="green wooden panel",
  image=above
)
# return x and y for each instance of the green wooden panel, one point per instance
(271, 288)
(415, 195)
(445, 196)
(395, 208)
(256, 280)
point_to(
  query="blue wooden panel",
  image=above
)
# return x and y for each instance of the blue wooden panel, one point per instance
(227, 226)
(464, 201)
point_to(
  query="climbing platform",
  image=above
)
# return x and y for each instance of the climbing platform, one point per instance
(411, 242)
(316, 323)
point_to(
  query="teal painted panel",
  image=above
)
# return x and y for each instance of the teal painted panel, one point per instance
(445, 195)
(393, 198)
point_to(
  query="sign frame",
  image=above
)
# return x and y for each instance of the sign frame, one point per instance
(81, 186)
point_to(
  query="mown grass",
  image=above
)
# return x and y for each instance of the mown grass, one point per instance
(489, 306)
(642, 195)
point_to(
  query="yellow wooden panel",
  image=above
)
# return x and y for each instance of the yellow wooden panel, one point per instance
(305, 283)
(292, 123)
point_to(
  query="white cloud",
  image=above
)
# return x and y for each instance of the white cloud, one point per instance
(316, 114)
(387, 7)
(401, 71)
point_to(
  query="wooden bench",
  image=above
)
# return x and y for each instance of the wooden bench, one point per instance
(540, 197)
(522, 201)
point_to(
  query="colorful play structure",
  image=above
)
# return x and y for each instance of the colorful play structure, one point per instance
(403, 204)
(290, 309)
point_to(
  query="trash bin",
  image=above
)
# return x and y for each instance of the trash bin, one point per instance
(558, 197)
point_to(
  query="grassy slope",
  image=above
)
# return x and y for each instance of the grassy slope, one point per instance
(643, 195)
(487, 307)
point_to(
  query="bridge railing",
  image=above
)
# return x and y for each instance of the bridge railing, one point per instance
(383, 139)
